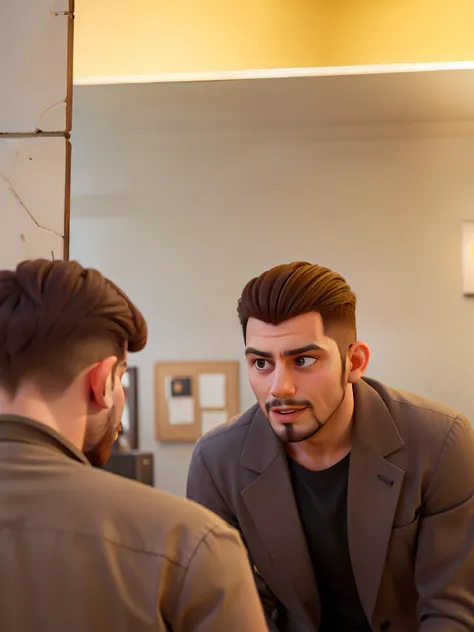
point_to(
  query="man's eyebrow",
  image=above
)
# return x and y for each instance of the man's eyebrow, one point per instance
(287, 354)
(253, 351)
(300, 350)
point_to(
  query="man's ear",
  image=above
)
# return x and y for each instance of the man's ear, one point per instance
(101, 382)
(359, 356)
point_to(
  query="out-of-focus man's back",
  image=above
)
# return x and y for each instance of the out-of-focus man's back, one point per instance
(83, 550)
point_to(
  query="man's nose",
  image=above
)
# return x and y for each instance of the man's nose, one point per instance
(283, 384)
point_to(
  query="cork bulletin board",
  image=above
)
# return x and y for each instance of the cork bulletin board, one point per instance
(194, 397)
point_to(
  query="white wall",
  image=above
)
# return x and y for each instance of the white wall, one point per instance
(35, 87)
(182, 220)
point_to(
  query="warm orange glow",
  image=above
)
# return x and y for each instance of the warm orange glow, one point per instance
(117, 37)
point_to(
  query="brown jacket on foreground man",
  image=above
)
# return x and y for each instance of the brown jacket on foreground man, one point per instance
(82, 550)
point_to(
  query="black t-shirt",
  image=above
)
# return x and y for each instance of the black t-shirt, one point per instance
(322, 503)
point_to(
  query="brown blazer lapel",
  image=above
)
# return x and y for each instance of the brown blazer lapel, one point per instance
(373, 493)
(272, 505)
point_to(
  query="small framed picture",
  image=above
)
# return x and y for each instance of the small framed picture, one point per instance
(181, 387)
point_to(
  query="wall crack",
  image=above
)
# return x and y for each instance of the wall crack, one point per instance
(45, 112)
(25, 208)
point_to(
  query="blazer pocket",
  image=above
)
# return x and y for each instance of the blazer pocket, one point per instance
(406, 530)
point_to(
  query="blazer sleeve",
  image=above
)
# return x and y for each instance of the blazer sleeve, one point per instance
(202, 489)
(218, 592)
(444, 567)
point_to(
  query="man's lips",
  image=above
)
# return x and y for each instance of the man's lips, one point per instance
(287, 414)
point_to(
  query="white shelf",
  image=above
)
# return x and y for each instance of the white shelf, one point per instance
(276, 73)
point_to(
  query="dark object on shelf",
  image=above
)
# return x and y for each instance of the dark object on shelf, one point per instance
(134, 464)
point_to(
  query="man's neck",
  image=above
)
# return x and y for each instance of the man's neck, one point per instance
(31, 404)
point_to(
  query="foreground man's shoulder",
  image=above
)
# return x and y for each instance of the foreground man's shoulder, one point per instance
(120, 493)
(155, 521)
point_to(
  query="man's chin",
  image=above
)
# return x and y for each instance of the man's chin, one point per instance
(290, 433)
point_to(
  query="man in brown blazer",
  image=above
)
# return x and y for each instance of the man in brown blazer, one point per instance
(355, 501)
(82, 550)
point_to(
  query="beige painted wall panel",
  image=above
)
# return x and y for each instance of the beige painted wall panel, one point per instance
(35, 54)
(33, 192)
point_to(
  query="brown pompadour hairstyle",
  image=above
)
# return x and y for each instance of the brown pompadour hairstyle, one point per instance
(57, 318)
(298, 288)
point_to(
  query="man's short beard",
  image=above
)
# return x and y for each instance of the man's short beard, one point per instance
(99, 454)
(290, 435)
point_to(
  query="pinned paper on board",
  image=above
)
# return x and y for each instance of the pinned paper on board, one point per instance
(180, 405)
(212, 389)
(210, 419)
(181, 411)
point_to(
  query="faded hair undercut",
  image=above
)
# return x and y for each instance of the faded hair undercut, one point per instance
(57, 318)
(298, 288)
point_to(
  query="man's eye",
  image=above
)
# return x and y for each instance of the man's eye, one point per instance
(261, 365)
(304, 361)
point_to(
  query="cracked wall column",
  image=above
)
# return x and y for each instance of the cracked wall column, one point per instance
(35, 121)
